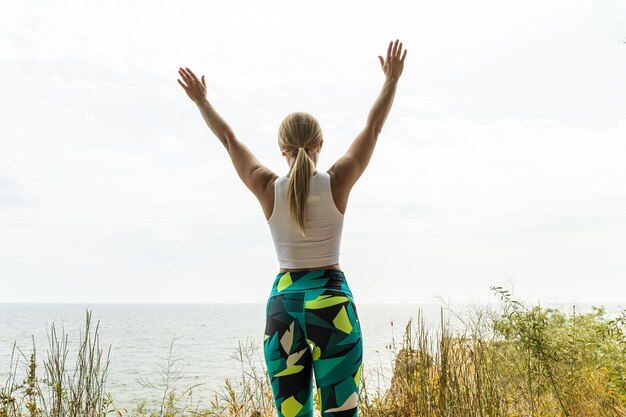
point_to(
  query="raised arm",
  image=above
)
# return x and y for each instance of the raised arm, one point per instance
(350, 167)
(254, 175)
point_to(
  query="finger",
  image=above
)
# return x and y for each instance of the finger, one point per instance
(399, 50)
(184, 75)
(203, 83)
(187, 77)
(183, 85)
(389, 51)
(382, 61)
(193, 75)
(394, 50)
(403, 56)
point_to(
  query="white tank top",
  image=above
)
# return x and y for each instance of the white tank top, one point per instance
(324, 224)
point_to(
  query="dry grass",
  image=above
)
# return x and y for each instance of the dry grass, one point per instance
(511, 361)
(61, 393)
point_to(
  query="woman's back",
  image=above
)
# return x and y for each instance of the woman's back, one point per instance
(324, 224)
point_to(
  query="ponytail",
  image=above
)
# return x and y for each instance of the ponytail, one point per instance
(299, 132)
(298, 189)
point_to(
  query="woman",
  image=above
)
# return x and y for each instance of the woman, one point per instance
(312, 326)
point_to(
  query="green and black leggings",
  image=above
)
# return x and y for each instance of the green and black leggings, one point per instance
(313, 328)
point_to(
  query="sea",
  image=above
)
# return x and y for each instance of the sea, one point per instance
(201, 342)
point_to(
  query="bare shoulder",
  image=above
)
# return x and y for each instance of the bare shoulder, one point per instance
(339, 189)
(266, 198)
(270, 183)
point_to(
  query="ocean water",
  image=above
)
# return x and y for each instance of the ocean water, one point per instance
(205, 337)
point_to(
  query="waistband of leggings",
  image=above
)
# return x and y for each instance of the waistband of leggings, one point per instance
(332, 279)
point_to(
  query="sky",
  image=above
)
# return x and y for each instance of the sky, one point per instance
(501, 162)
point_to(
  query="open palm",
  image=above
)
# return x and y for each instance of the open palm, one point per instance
(394, 64)
(195, 88)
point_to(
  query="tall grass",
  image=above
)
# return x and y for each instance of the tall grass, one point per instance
(512, 361)
(64, 391)
(509, 360)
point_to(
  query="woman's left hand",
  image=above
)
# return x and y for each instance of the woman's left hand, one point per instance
(195, 89)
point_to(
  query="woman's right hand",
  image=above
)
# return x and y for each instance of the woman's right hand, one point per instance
(394, 64)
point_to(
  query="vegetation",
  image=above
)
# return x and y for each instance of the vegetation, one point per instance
(63, 391)
(513, 360)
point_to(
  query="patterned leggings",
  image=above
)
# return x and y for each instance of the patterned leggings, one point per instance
(313, 327)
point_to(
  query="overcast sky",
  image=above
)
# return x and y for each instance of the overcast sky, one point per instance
(502, 161)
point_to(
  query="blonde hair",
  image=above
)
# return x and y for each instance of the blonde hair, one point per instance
(297, 131)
